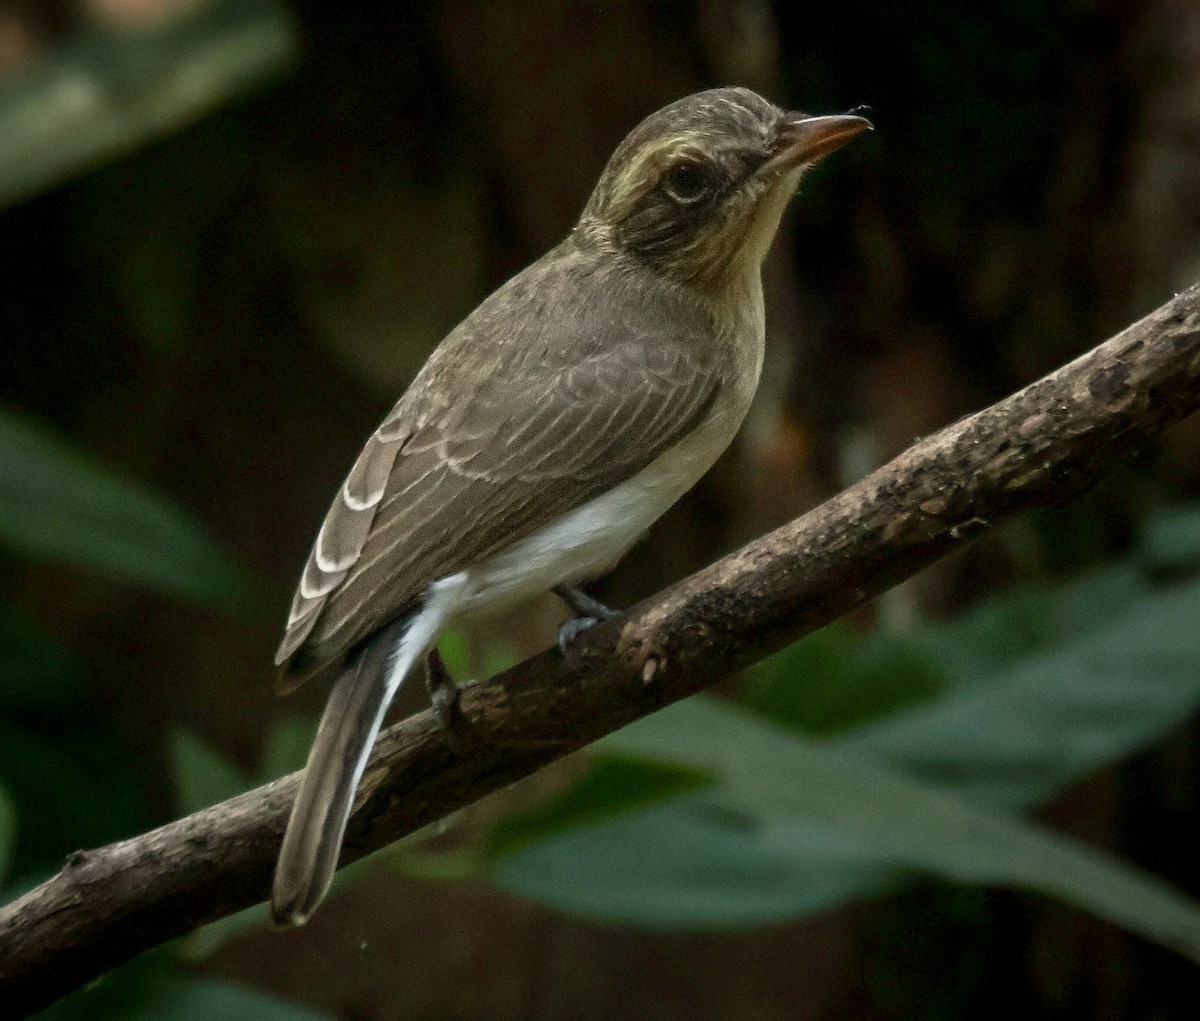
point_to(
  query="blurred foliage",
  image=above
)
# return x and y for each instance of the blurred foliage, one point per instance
(853, 763)
(66, 777)
(67, 769)
(848, 765)
(613, 787)
(57, 504)
(154, 988)
(990, 713)
(203, 778)
(106, 92)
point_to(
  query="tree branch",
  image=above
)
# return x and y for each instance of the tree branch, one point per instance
(1041, 446)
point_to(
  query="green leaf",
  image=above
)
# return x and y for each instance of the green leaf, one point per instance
(203, 777)
(70, 775)
(436, 865)
(1053, 718)
(1171, 538)
(56, 504)
(212, 1000)
(202, 943)
(154, 988)
(613, 786)
(835, 679)
(693, 864)
(286, 749)
(1120, 662)
(1000, 633)
(776, 787)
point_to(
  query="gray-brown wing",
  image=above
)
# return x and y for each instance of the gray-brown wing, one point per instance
(436, 490)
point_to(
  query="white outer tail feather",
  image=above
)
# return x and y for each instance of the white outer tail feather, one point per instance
(325, 800)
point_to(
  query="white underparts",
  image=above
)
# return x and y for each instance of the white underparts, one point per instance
(586, 542)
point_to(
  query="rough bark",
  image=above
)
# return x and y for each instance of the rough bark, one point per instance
(1039, 447)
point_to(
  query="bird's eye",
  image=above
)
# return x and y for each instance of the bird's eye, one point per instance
(688, 183)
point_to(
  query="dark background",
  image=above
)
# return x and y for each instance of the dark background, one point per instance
(225, 313)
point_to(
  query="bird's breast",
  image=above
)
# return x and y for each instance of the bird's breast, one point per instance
(587, 541)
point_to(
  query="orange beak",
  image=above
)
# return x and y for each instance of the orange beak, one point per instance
(801, 139)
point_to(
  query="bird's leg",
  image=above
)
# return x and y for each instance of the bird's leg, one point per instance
(445, 696)
(588, 611)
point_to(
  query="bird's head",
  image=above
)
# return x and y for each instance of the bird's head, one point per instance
(697, 189)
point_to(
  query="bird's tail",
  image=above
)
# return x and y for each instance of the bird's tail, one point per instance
(345, 737)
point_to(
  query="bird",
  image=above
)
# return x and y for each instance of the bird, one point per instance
(546, 432)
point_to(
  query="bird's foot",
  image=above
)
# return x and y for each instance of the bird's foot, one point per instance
(571, 630)
(446, 698)
(588, 611)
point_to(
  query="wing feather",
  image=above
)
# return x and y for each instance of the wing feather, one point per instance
(490, 443)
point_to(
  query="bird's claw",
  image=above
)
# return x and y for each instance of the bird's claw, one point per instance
(446, 698)
(588, 611)
(571, 630)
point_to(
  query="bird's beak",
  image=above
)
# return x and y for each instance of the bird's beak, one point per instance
(800, 139)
